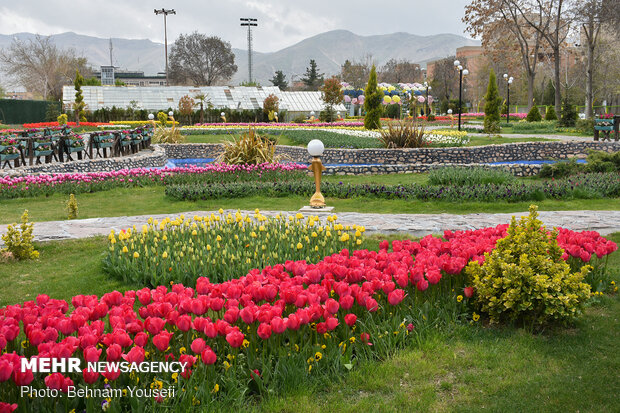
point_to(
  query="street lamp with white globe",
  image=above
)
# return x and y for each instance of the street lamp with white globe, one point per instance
(508, 80)
(462, 72)
(315, 149)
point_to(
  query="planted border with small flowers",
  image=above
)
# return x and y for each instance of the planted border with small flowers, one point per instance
(222, 246)
(75, 183)
(586, 186)
(275, 328)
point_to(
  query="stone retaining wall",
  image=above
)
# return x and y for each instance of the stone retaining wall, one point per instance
(463, 155)
(516, 170)
(390, 160)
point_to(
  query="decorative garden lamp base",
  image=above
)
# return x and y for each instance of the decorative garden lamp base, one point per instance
(317, 200)
(315, 149)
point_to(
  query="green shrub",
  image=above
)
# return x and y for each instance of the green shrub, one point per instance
(250, 148)
(585, 126)
(72, 207)
(599, 161)
(569, 115)
(546, 126)
(403, 134)
(469, 176)
(392, 111)
(561, 169)
(550, 113)
(492, 106)
(18, 241)
(372, 103)
(525, 280)
(533, 115)
(62, 119)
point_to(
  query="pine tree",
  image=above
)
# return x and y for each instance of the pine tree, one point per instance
(550, 113)
(569, 114)
(313, 78)
(79, 105)
(372, 102)
(533, 115)
(492, 105)
(279, 80)
(548, 97)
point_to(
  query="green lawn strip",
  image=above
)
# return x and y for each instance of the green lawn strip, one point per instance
(474, 369)
(224, 137)
(151, 200)
(64, 269)
(498, 140)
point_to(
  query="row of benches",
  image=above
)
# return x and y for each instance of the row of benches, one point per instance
(34, 147)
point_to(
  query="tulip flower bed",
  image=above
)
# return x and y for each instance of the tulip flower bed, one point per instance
(586, 186)
(272, 329)
(35, 185)
(221, 246)
(56, 124)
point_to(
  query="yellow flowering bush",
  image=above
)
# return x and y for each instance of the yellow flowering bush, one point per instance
(524, 279)
(18, 240)
(222, 246)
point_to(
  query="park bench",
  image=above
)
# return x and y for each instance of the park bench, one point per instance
(605, 128)
(11, 150)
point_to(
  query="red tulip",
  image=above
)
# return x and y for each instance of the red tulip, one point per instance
(92, 354)
(396, 296)
(468, 291)
(331, 323)
(6, 369)
(198, 345)
(264, 331)
(235, 338)
(350, 319)
(277, 325)
(90, 376)
(114, 352)
(135, 355)
(141, 339)
(208, 356)
(22, 378)
(162, 340)
(7, 408)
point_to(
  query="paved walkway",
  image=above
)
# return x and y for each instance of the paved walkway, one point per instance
(604, 222)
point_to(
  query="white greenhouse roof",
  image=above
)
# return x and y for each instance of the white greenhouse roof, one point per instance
(161, 97)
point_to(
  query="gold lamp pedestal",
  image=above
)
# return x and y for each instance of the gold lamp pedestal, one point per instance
(317, 200)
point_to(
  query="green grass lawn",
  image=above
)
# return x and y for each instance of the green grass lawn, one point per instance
(151, 200)
(498, 140)
(464, 368)
(220, 138)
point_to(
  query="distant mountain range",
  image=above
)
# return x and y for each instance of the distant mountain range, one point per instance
(329, 49)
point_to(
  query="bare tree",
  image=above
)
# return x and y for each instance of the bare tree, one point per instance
(40, 67)
(445, 81)
(356, 72)
(592, 15)
(400, 71)
(499, 23)
(201, 60)
(552, 20)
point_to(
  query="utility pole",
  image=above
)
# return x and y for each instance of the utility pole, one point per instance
(165, 12)
(249, 22)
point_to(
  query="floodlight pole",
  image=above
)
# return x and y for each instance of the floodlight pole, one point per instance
(249, 22)
(165, 12)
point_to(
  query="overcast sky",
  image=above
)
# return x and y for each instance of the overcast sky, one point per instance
(281, 22)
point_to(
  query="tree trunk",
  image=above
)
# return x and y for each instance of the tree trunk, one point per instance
(589, 76)
(531, 76)
(556, 78)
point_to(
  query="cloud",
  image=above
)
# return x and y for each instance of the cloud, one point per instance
(281, 23)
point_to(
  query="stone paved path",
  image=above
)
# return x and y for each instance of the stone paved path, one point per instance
(604, 222)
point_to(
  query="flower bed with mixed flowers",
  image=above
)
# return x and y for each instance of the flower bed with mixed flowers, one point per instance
(35, 185)
(285, 323)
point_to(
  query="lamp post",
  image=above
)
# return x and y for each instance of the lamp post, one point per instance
(315, 149)
(462, 72)
(223, 116)
(508, 83)
(165, 12)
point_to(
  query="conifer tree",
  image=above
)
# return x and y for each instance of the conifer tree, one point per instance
(491, 106)
(372, 102)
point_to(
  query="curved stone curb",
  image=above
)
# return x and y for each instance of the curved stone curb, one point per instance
(604, 222)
